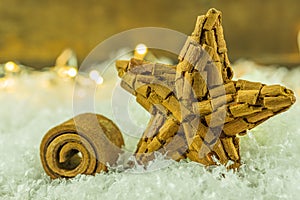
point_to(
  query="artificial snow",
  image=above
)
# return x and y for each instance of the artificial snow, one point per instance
(38, 101)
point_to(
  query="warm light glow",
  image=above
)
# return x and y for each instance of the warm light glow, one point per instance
(95, 76)
(12, 67)
(66, 72)
(72, 72)
(141, 49)
(99, 81)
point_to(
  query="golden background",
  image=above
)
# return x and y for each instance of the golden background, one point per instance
(34, 32)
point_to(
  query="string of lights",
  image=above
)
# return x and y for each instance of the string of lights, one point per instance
(66, 68)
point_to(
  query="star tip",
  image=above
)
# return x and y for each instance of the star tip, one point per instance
(214, 11)
(292, 96)
(121, 64)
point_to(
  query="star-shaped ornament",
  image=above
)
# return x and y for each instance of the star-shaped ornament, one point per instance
(198, 111)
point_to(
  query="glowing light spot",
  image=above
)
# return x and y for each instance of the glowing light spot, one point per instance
(72, 72)
(141, 49)
(12, 67)
(99, 81)
(95, 76)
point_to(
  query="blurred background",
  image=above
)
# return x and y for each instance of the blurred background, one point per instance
(34, 32)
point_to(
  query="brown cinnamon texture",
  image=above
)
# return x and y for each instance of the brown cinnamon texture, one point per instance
(197, 110)
(84, 144)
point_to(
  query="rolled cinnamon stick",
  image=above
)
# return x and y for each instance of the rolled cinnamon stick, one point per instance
(84, 144)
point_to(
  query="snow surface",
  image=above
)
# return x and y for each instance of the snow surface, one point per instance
(38, 101)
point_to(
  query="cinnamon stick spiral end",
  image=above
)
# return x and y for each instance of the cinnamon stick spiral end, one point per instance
(85, 144)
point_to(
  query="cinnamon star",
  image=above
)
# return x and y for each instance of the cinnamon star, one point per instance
(198, 111)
